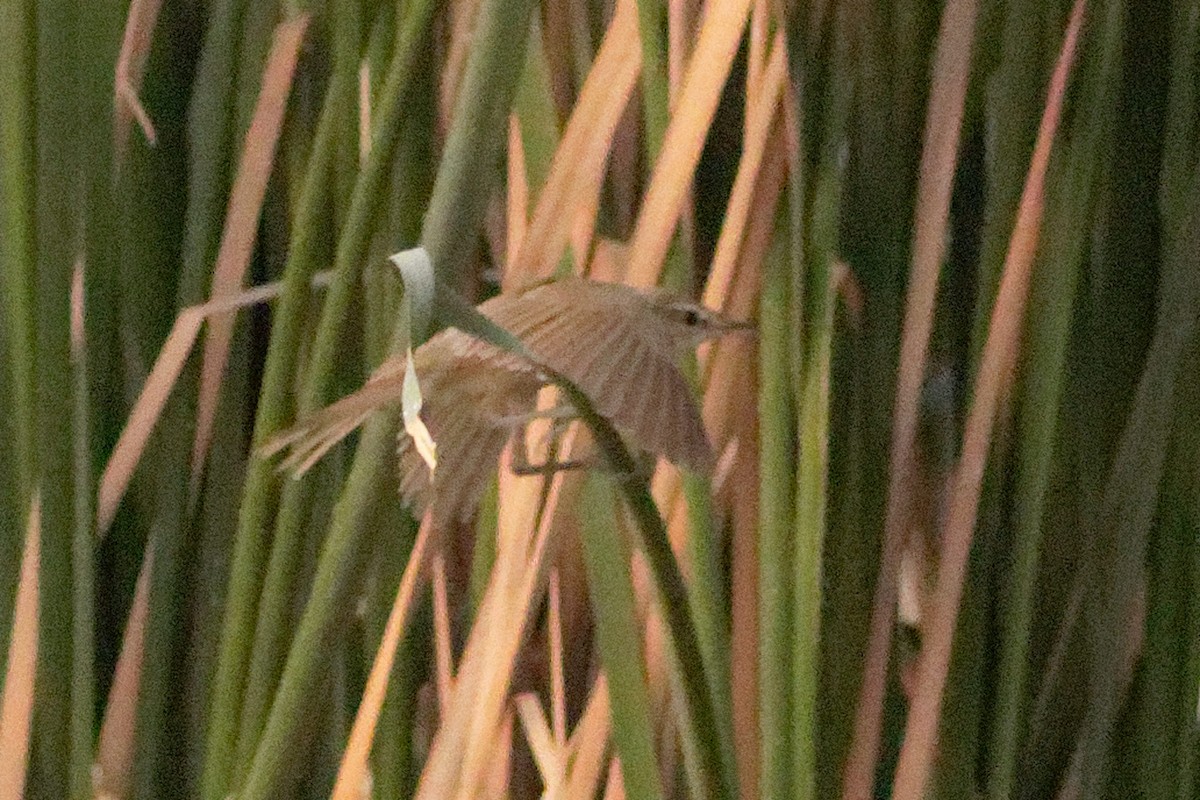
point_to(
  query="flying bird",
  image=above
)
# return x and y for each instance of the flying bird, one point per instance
(620, 345)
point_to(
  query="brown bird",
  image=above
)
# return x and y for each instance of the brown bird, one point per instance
(618, 344)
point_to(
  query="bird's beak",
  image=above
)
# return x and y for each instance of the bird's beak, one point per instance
(736, 326)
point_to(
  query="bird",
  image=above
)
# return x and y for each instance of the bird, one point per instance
(620, 345)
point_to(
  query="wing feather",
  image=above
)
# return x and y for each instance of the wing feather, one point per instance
(583, 331)
(662, 393)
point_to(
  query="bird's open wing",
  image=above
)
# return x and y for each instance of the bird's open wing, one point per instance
(580, 330)
(468, 450)
(473, 392)
(466, 388)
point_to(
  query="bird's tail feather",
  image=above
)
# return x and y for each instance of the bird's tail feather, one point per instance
(313, 436)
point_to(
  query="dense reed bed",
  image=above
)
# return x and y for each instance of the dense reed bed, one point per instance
(951, 544)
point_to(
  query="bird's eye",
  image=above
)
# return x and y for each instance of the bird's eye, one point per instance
(691, 317)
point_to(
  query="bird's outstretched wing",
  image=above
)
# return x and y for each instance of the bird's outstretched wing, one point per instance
(584, 331)
(472, 392)
(469, 448)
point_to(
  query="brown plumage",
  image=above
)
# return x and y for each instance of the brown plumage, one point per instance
(618, 344)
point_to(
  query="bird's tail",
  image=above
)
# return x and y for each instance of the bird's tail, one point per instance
(313, 436)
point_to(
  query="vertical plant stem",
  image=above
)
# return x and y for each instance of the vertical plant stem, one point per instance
(651, 21)
(273, 407)
(231, 722)
(1014, 112)
(18, 267)
(1072, 201)
(610, 584)
(209, 130)
(393, 756)
(776, 553)
(810, 499)
(534, 107)
(1131, 494)
(263, 644)
(710, 608)
(18, 279)
(327, 606)
(455, 213)
(713, 777)
(59, 220)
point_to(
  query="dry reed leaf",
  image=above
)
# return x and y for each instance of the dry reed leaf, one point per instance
(654, 639)
(463, 14)
(78, 332)
(528, 571)
(496, 785)
(144, 416)
(726, 462)
(756, 59)
(458, 756)
(352, 773)
(725, 399)
(517, 200)
(608, 260)
(679, 34)
(583, 228)
(520, 495)
(994, 376)
(589, 743)
(678, 529)
(759, 125)
(547, 754)
(113, 770)
(16, 704)
(153, 397)
(614, 788)
(364, 113)
(442, 646)
(558, 688)
(578, 164)
(951, 70)
(130, 69)
(720, 33)
(241, 223)
(743, 600)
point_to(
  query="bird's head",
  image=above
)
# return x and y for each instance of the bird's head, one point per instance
(690, 323)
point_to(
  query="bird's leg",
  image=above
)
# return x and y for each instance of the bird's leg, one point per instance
(520, 453)
(560, 417)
